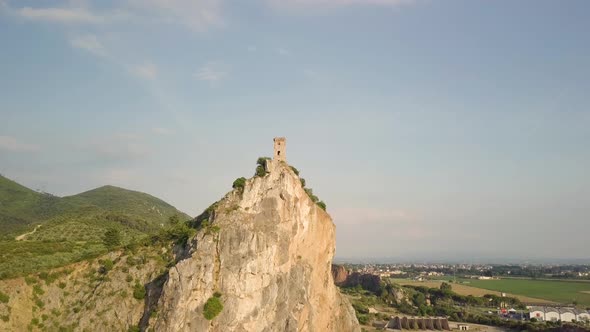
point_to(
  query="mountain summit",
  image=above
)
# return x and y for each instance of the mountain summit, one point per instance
(264, 254)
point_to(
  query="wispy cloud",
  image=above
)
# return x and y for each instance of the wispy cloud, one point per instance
(194, 14)
(10, 143)
(299, 4)
(146, 71)
(59, 15)
(88, 43)
(212, 72)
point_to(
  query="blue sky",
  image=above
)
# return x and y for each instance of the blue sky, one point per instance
(432, 129)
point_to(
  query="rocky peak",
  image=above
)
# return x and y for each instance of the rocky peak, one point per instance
(267, 251)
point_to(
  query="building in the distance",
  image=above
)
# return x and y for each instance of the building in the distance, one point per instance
(562, 314)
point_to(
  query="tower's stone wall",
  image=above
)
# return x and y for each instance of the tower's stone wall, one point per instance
(280, 149)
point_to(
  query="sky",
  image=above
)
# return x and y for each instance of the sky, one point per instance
(434, 130)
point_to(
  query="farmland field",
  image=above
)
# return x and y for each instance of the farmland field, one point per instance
(465, 290)
(529, 290)
(558, 291)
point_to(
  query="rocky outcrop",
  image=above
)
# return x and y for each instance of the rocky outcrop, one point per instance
(339, 273)
(268, 252)
(367, 281)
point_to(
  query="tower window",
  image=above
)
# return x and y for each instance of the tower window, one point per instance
(278, 153)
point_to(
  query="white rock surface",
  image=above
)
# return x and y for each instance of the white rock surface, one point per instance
(270, 259)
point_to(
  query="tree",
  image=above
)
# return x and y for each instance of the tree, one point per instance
(260, 171)
(419, 299)
(262, 161)
(239, 183)
(445, 287)
(112, 238)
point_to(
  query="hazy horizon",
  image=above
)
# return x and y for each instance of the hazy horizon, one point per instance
(431, 129)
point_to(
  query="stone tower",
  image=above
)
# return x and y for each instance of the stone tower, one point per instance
(280, 147)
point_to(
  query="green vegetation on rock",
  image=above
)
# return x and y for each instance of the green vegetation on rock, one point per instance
(213, 306)
(4, 298)
(139, 291)
(261, 166)
(239, 183)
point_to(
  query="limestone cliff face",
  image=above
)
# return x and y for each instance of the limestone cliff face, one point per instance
(268, 251)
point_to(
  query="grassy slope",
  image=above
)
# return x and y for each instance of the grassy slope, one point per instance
(129, 202)
(72, 228)
(21, 206)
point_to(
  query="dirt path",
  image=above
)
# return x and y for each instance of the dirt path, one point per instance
(23, 236)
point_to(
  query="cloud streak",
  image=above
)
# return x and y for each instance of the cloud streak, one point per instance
(195, 14)
(60, 15)
(308, 4)
(89, 43)
(212, 72)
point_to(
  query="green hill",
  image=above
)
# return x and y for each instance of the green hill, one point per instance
(55, 231)
(129, 202)
(20, 206)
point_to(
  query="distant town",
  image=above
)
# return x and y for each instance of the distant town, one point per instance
(473, 271)
(463, 296)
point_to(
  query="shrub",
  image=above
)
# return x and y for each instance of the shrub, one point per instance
(313, 197)
(38, 290)
(239, 183)
(260, 171)
(4, 297)
(363, 318)
(129, 278)
(295, 170)
(302, 182)
(133, 328)
(138, 291)
(107, 265)
(262, 161)
(30, 280)
(212, 307)
(112, 238)
(39, 303)
(322, 205)
(5, 318)
(61, 285)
